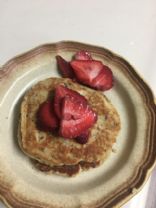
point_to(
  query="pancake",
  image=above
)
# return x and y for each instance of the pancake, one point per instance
(69, 170)
(56, 152)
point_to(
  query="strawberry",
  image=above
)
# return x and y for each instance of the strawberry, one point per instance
(65, 68)
(83, 55)
(93, 73)
(77, 117)
(46, 117)
(62, 91)
(104, 80)
(83, 137)
(86, 71)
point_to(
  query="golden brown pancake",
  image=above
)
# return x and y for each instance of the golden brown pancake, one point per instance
(59, 153)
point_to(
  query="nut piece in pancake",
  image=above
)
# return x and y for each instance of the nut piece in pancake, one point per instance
(54, 151)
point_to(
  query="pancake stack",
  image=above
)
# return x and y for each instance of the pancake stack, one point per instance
(55, 154)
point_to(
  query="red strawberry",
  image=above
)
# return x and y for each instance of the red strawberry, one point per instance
(104, 80)
(62, 91)
(46, 118)
(65, 67)
(77, 117)
(93, 73)
(86, 71)
(83, 55)
(83, 137)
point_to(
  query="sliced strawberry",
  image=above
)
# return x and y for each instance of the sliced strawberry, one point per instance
(93, 73)
(77, 117)
(104, 80)
(46, 118)
(86, 71)
(62, 91)
(83, 137)
(83, 55)
(65, 67)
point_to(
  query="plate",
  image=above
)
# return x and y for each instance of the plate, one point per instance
(124, 172)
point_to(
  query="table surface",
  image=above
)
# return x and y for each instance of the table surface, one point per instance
(126, 27)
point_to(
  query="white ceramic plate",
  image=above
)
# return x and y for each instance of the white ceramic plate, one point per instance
(124, 172)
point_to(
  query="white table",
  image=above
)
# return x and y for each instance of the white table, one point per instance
(126, 27)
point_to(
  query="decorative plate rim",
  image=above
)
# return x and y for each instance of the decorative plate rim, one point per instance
(144, 171)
